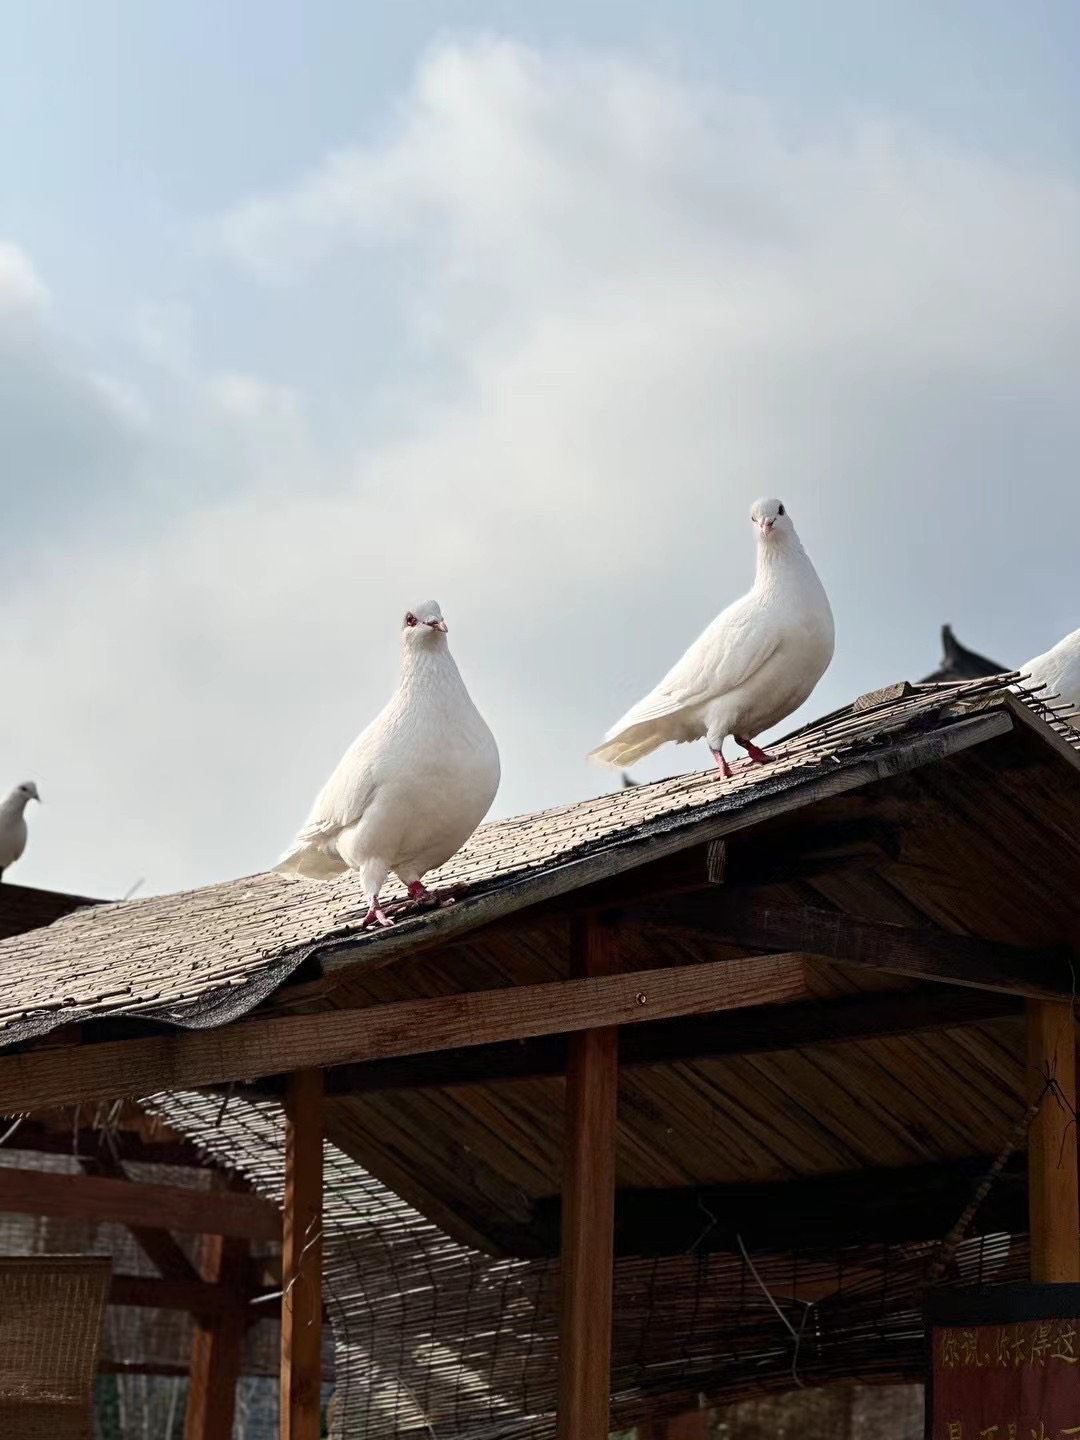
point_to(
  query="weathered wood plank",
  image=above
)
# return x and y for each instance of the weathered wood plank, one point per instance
(173, 1207)
(1052, 1174)
(689, 1039)
(301, 1263)
(250, 1049)
(846, 940)
(592, 1079)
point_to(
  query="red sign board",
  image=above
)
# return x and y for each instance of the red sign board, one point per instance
(1015, 1376)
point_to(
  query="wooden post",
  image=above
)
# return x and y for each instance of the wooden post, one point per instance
(217, 1347)
(1052, 1152)
(588, 1206)
(301, 1267)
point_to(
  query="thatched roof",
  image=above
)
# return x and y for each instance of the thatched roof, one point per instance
(203, 957)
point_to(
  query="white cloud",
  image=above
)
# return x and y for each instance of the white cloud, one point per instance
(20, 284)
(647, 305)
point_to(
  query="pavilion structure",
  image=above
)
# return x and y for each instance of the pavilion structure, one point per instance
(682, 1063)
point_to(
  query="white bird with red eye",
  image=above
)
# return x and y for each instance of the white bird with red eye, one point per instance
(413, 787)
(754, 665)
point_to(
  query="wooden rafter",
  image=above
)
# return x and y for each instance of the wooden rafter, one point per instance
(158, 1207)
(918, 1202)
(745, 920)
(197, 1297)
(254, 1048)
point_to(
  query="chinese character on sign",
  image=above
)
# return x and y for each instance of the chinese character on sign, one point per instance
(1040, 1343)
(955, 1429)
(1065, 1344)
(950, 1350)
(1020, 1346)
(969, 1349)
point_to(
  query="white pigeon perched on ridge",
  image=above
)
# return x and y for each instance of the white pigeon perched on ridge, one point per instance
(755, 664)
(413, 787)
(13, 823)
(1059, 671)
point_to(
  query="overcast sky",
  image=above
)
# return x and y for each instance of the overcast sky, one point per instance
(309, 313)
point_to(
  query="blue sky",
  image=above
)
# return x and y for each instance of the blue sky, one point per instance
(308, 312)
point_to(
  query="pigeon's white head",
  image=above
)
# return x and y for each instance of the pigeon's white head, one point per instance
(772, 520)
(24, 793)
(423, 625)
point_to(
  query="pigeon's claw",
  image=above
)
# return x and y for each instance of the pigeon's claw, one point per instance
(721, 763)
(757, 755)
(376, 915)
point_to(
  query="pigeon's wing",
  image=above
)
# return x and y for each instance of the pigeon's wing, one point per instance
(724, 657)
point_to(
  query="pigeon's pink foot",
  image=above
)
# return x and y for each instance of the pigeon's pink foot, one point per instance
(376, 915)
(757, 755)
(721, 763)
(419, 892)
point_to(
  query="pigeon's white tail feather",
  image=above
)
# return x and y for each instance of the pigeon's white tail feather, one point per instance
(312, 863)
(628, 746)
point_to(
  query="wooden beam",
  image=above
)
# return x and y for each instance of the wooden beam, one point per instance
(809, 1213)
(195, 1296)
(217, 1346)
(668, 1042)
(250, 1049)
(173, 1207)
(1052, 1151)
(846, 940)
(89, 1143)
(157, 1245)
(301, 1304)
(588, 1209)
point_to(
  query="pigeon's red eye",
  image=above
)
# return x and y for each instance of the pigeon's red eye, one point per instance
(410, 619)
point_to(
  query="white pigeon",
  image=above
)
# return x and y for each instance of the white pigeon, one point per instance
(413, 787)
(756, 663)
(1059, 671)
(13, 823)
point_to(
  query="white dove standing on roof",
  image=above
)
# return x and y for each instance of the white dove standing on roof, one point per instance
(413, 787)
(13, 822)
(1059, 671)
(756, 663)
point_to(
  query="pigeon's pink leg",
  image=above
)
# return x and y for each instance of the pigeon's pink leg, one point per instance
(721, 763)
(418, 891)
(757, 755)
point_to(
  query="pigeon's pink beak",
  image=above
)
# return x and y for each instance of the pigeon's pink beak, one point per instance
(766, 526)
(437, 625)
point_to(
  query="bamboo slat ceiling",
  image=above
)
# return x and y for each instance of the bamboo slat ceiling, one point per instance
(203, 957)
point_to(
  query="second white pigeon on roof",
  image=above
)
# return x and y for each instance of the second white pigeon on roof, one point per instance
(1059, 671)
(413, 787)
(13, 822)
(754, 665)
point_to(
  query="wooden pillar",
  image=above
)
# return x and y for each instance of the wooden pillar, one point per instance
(217, 1346)
(301, 1267)
(1052, 1153)
(588, 1205)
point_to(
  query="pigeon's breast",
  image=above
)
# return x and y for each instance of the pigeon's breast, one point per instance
(787, 678)
(442, 792)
